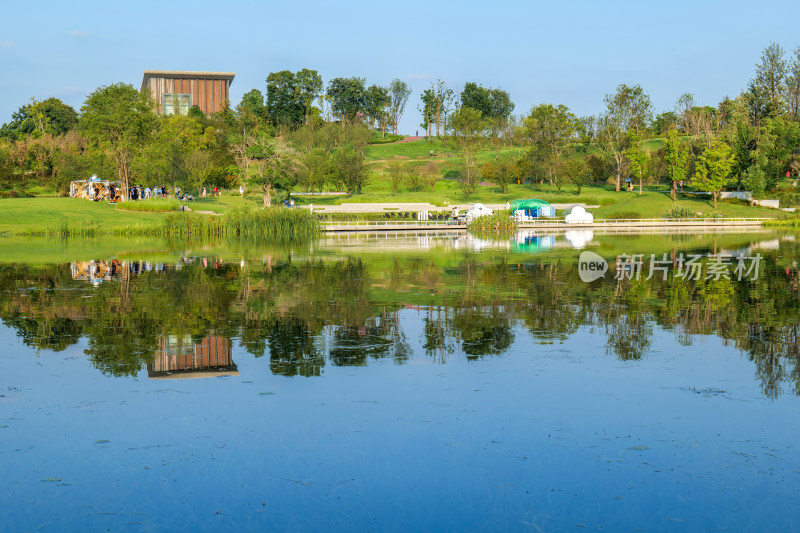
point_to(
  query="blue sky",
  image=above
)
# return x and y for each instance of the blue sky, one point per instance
(566, 52)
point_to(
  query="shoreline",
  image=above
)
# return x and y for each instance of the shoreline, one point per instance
(365, 225)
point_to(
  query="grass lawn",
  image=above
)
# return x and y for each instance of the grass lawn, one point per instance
(18, 215)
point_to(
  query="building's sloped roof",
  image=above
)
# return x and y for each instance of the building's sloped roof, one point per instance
(186, 74)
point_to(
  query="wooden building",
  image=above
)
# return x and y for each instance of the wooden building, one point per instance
(175, 91)
(180, 357)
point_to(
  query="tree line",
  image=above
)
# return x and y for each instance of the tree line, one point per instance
(303, 133)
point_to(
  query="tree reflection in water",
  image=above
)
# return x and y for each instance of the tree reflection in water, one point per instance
(304, 314)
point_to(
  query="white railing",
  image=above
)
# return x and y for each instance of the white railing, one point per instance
(550, 221)
(380, 223)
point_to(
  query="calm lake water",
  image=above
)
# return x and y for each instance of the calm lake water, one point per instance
(402, 383)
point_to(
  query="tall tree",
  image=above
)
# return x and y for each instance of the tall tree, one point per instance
(478, 98)
(119, 119)
(251, 111)
(676, 155)
(377, 100)
(316, 170)
(469, 129)
(444, 98)
(713, 168)
(284, 105)
(350, 170)
(399, 93)
(309, 87)
(638, 158)
(551, 129)
(492, 103)
(427, 109)
(348, 97)
(793, 85)
(769, 84)
(627, 109)
(276, 166)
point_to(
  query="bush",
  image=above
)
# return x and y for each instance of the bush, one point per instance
(680, 211)
(15, 194)
(787, 198)
(386, 140)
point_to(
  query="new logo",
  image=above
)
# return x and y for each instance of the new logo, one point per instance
(591, 266)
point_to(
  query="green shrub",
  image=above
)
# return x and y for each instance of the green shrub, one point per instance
(680, 211)
(386, 140)
(15, 194)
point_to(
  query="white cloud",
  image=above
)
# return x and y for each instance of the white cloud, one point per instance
(6, 44)
(78, 33)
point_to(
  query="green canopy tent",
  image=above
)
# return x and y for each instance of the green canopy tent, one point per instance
(532, 208)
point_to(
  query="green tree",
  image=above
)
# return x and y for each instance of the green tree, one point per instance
(348, 97)
(638, 158)
(492, 103)
(500, 172)
(276, 166)
(316, 170)
(398, 93)
(377, 104)
(551, 130)
(284, 105)
(251, 111)
(768, 88)
(309, 87)
(627, 109)
(413, 178)
(793, 85)
(50, 116)
(664, 122)
(443, 101)
(350, 170)
(676, 156)
(119, 119)
(430, 174)
(574, 171)
(469, 130)
(427, 109)
(395, 171)
(713, 169)
(587, 127)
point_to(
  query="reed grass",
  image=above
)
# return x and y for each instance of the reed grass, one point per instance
(782, 223)
(153, 205)
(67, 228)
(498, 224)
(277, 222)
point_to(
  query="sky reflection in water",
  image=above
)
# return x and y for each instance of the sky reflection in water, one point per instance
(400, 389)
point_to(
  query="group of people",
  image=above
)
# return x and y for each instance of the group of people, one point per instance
(138, 192)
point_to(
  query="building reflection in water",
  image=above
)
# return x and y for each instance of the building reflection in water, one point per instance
(178, 357)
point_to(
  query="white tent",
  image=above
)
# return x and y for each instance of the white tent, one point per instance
(477, 211)
(578, 215)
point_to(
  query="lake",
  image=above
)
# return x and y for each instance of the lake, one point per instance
(402, 382)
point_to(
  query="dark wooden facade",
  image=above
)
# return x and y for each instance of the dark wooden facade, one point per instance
(180, 357)
(206, 90)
